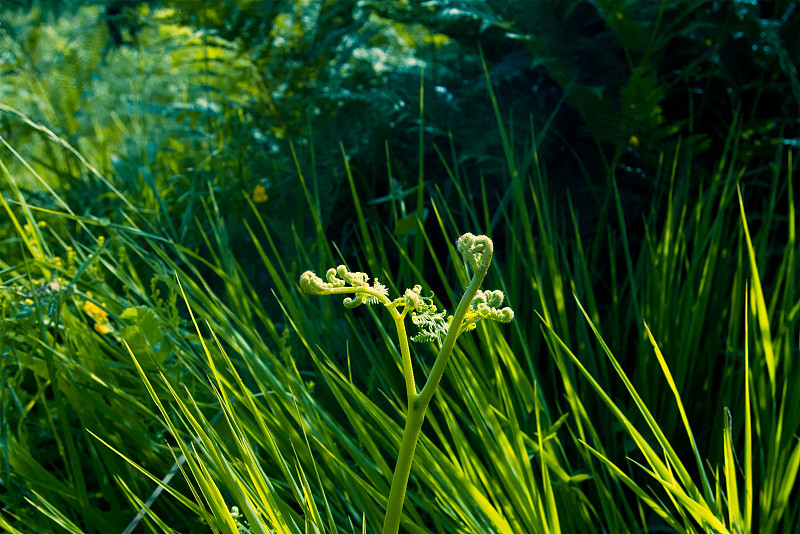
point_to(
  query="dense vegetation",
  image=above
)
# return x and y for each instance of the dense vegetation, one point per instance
(169, 168)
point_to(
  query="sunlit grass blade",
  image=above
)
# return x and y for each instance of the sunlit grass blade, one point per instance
(731, 481)
(549, 510)
(159, 482)
(60, 141)
(692, 501)
(29, 232)
(219, 512)
(41, 504)
(7, 527)
(668, 375)
(145, 511)
(759, 304)
(651, 422)
(749, 498)
(643, 495)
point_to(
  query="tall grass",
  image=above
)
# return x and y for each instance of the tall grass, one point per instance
(644, 384)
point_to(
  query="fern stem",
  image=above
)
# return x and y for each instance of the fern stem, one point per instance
(418, 404)
(408, 369)
(437, 371)
(397, 494)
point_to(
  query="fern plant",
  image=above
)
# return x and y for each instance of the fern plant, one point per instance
(434, 326)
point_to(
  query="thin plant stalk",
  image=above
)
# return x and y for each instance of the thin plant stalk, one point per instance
(475, 305)
(418, 403)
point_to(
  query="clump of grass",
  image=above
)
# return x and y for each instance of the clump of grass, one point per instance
(289, 419)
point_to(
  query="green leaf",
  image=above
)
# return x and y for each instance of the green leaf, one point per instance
(406, 225)
(143, 332)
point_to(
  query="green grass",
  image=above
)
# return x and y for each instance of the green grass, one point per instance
(520, 438)
(646, 382)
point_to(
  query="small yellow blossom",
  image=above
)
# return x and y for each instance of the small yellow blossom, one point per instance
(634, 141)
(95, 312)
(101, 328)
(260, 194)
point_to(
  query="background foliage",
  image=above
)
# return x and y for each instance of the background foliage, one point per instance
(635, 163)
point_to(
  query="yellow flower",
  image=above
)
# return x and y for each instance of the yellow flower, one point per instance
(260, 194)
(95, 312)
(634, 141)
(101, 328)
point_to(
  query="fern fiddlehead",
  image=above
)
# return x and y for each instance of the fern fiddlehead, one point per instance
(434, 326)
